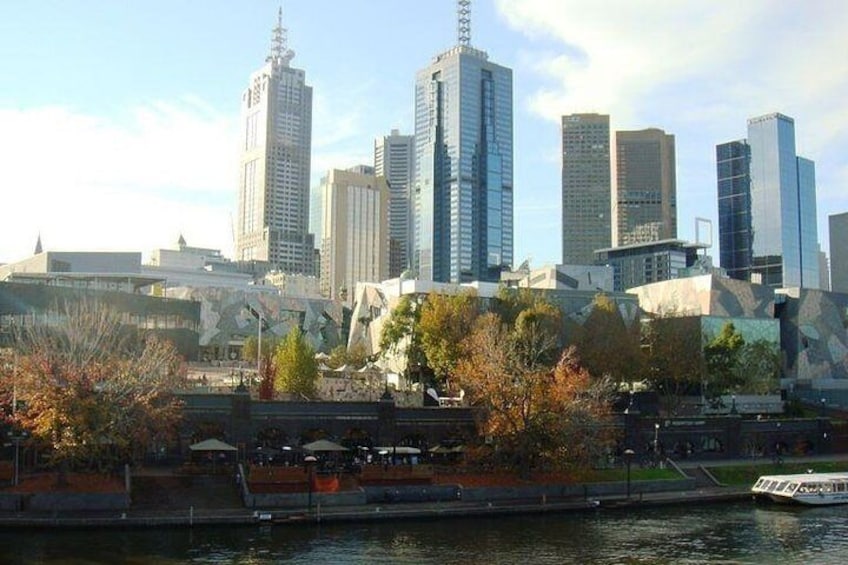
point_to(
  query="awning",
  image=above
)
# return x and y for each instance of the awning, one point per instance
(212, 445)
(323, 445)
(399, 450)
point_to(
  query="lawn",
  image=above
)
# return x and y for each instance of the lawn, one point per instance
(741, 475)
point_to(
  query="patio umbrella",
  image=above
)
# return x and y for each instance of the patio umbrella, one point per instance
(323, 445)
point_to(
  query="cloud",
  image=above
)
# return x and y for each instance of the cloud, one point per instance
(122, 183)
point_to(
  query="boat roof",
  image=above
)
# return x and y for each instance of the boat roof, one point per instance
(800, 477)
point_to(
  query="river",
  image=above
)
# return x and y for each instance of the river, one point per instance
(716, 533)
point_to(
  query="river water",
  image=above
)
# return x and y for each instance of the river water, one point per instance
(717, 533)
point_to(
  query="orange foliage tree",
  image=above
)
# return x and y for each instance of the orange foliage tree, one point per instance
(92, 390)
(538, 414)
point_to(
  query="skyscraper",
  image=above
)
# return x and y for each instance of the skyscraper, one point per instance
(463, 199)
(586, 190)
(838, 226)
(645, 187)
(394, 158)
(276, 141)
(767, 207)
(355, 236)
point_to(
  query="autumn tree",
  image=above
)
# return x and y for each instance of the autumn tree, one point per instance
(445, 321)
(92, 390)
(607, 346)
(297, 369)
(356, 356)
(538, 415)
(674, 363)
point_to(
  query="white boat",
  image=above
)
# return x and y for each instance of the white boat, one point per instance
(806, 488)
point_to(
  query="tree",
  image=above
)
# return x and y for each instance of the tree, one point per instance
(721, 359)
(606, 346)
(94, 391)
(674, 363)
(445, 321)
(536, 414)
(758, 366)
(297, 369)
(340, 355)
(401, 333)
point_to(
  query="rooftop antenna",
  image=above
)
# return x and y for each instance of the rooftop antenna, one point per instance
(279, 42)
(463, 14)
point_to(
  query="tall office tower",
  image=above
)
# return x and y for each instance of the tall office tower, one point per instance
(355, 236)
(394, 158)
(463, 199)
(644, 188)
(276, 140)
(767, 207)
(838, 226)
(586, 187)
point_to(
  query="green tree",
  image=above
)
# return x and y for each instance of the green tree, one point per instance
(297, 369)
(445, 321)
(340, 355)
(94, 392)
(758, 367)
(721, 359)
(401, 333)
(606, 346)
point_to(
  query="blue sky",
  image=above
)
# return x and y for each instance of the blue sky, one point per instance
(118, 120)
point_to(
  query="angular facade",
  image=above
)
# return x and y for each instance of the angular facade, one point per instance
(645, 188)
(276, 140)
(394, 159)
(463, 193)
(586, 187)
(775, 240)
(643, 263)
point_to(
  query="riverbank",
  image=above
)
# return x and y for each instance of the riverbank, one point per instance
(363, 513)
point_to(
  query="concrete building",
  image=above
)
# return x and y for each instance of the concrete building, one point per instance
(596, 278)
(355, 237)
(274, 167)
(767, 207)
(586, 187)
(838, 226)
(463, 201)
(645, 187)
(394, 158)
(642, 263)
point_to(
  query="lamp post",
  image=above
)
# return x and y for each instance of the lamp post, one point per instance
(309, 461)
(656, 441)
(628, 456)
(823, 406)
(17, 438)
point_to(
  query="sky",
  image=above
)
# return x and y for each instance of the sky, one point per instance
(119, 120)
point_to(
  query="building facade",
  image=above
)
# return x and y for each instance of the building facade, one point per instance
(645, 187)
(274, 166)
(838, 227)
(355, 236)
(767, 207)
(394, 159)
(586, 187)
(643, 263)
(463, 193)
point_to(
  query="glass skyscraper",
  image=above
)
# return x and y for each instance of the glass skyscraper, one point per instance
(276, 141)
(463, 200)
(394, 158)
(767, 207)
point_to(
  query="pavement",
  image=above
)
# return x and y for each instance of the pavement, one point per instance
(182, 513)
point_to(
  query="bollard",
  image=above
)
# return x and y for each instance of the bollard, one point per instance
(191, 515)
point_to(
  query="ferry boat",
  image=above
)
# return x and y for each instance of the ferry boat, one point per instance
(807, 488)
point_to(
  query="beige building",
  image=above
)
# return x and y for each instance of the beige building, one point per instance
(355, 232)
(644, 201)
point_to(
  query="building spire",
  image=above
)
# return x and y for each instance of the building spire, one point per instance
(463, 27)
(38, 248)
(279, 43)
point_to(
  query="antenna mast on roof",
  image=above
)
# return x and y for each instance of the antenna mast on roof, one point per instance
(463, 14)
(280, 51)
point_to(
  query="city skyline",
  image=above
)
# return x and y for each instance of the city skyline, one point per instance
(114, 94)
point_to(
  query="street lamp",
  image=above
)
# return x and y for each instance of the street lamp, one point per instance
(309, 461)
(628, 456)
(17, 438)
(823, 406)
(656, 441)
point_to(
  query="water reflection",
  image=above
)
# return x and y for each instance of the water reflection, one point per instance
(734, 533)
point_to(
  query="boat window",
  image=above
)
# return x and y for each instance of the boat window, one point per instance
(792, 488)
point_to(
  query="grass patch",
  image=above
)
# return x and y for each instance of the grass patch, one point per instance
(636, 474)
(740, 475)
